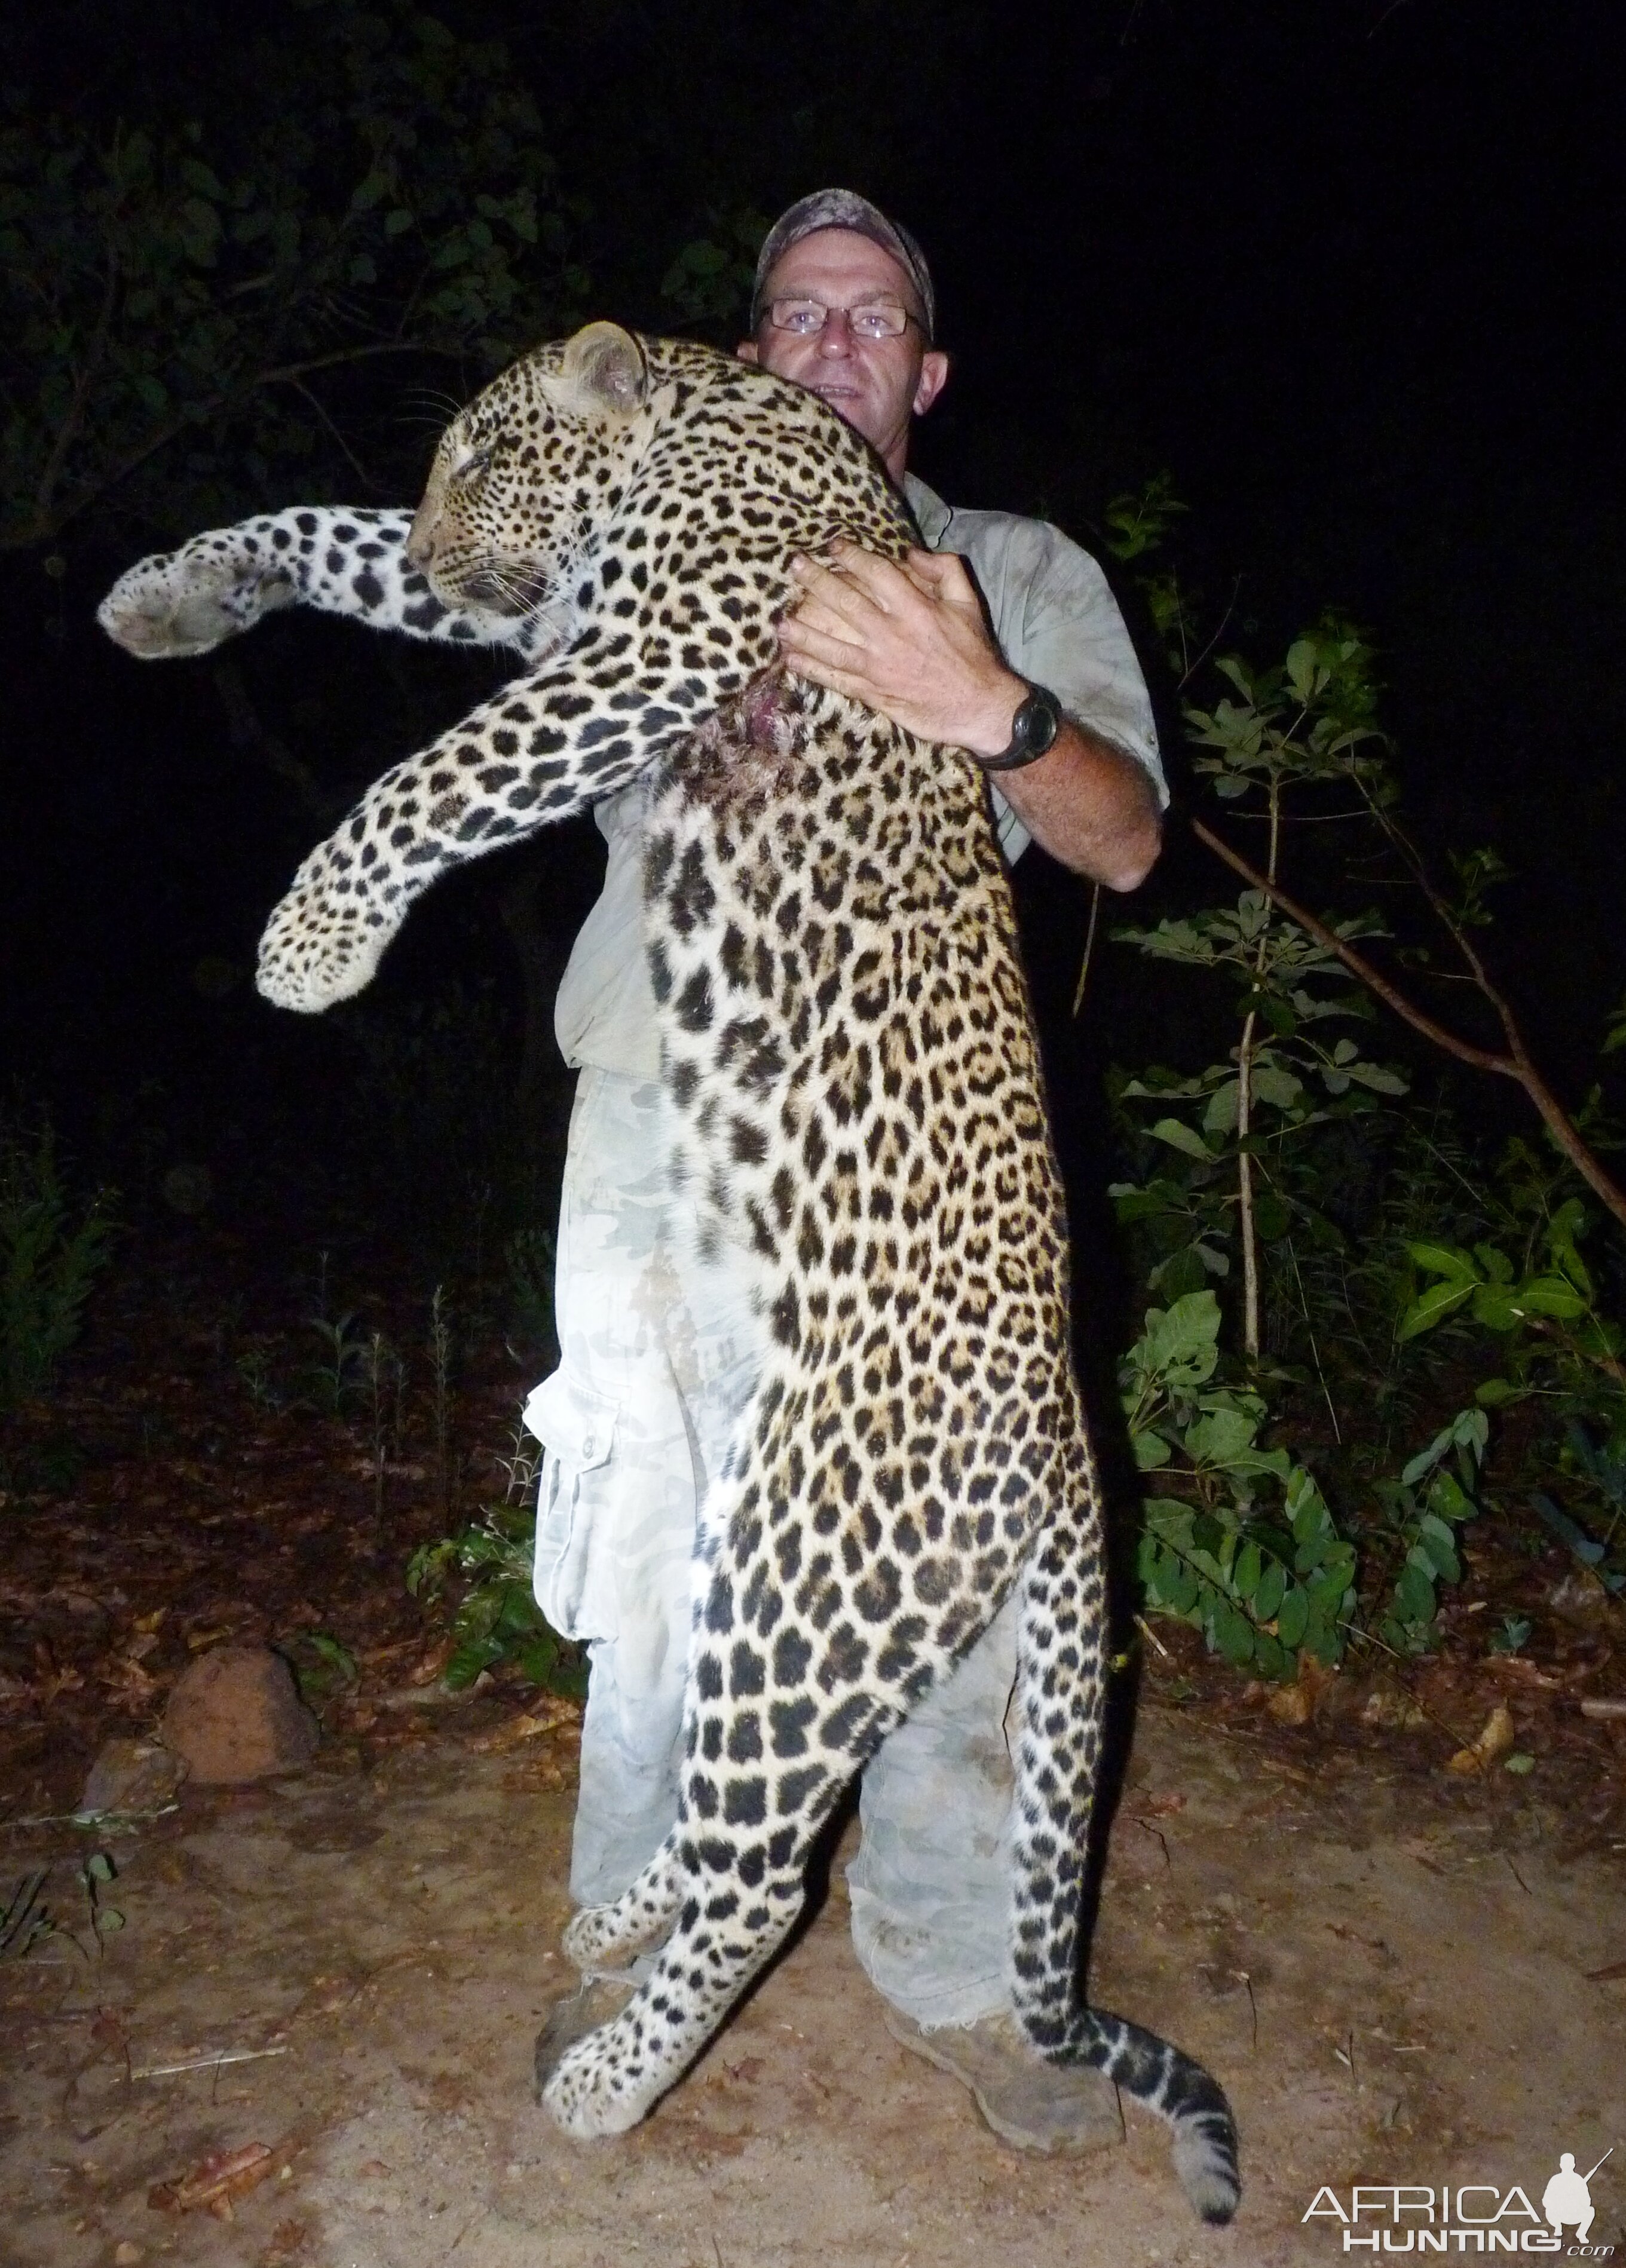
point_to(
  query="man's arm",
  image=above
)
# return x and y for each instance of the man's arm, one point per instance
(912, 643)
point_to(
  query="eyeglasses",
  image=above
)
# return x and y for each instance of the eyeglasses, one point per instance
(805, 318)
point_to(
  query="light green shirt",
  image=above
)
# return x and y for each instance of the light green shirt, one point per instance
(1057, 624)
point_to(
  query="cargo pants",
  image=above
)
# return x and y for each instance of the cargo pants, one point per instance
(656, 1371)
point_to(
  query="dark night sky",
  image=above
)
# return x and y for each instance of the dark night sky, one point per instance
(1347, 269)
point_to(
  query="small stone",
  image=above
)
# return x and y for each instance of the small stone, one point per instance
(128, 2255)
(235, 1715)
(1578, 1598)
(1390, 1709)
(132, 1776)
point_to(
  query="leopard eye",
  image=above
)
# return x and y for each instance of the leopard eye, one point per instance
(479, 461)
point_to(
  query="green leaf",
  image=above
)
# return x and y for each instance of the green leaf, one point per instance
(1179, 1136)
(1271, 1587)
(1151, 1451)
(1271, 1657)
(1414, 1595)
(1271, 1216)
(1306, 1508)
(538, 1658)
(1279, 1088)
(1233, 1633)
(1434, 1304)
(1280, 1017)
(1183, 1272)
(1220, 1117)
(474, 1655)
(1550, 1295)
(1425, 1460)
(1470, 1430)
(1436, 1542)
(1382, 1078)
(1245, 1574)
(1181, 1342)
(1496, 1307)
(337, 1655)
(1220, 1437)
(1446, 1260)
(1304, 673)
(1448, 1501)
(1207, 1534)
(1291, 1618)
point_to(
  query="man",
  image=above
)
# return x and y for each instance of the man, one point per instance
(654, 1371)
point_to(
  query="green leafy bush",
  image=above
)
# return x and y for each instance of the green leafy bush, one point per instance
(1374, 1256)
(1247, 1552)
(496, 1623)
(50, 1256)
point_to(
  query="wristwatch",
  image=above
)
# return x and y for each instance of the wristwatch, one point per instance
(1034, 731)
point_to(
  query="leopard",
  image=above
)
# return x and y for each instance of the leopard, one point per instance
(859, 1127)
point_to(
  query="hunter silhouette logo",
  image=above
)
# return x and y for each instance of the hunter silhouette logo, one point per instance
(1479, 2217)
(1567, 2201)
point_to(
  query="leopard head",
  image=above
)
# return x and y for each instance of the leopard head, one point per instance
(534, 467)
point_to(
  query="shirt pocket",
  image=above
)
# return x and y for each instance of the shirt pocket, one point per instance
(577, 1429)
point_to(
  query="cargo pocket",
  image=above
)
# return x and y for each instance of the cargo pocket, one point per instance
(577, 1429)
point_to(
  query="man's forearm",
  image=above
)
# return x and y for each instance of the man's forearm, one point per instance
(1087, 803)
(913, 642)
(1090, 806)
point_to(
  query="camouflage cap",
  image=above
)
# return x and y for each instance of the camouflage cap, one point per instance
(845, 208)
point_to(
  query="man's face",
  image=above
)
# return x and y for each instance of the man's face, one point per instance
(877, 385)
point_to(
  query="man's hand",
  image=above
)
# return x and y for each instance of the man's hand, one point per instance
(912, 642)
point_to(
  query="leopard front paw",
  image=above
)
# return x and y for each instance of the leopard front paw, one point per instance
(176, 604)
(321, 946)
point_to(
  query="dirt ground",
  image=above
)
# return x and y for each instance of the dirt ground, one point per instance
(331, 1982)
(1392, 1975)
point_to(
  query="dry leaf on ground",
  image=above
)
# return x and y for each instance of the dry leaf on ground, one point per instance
(431, 1662)
(1298, 1703)
(1496, 1737)
(213, 2184)
(548, 1717)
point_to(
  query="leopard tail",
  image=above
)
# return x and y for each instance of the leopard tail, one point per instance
(1057, 1757)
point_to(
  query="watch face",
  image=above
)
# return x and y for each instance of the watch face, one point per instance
(1038, 721)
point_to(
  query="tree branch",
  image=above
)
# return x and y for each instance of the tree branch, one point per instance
(74, 416)
(46, 524)
(246, 728)
(1516, 1064)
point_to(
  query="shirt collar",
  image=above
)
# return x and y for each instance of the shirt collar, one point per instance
(932, 515)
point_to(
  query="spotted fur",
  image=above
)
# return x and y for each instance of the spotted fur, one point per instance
(849, 1048)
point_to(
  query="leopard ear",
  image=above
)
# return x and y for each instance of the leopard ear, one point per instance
(604, 368)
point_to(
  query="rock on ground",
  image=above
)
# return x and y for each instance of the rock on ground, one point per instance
(133, 1776)
(236, 1716)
